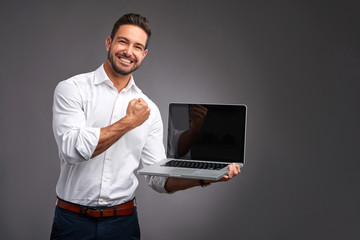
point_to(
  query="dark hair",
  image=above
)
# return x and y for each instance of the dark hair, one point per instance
(133, 19)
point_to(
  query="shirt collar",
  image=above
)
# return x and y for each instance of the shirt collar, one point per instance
(102, 77)
(131, 84)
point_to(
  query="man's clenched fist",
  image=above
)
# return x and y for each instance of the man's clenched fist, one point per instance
(137, 112)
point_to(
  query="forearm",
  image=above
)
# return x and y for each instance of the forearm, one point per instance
(176, 184)
(110, 134)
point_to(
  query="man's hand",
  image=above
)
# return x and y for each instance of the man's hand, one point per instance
(137, 112)
(234, 169)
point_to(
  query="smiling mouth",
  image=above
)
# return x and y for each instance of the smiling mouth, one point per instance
(125, 60)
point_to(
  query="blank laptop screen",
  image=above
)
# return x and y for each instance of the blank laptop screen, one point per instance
(208, 132)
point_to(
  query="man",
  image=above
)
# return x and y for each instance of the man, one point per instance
(105, 127)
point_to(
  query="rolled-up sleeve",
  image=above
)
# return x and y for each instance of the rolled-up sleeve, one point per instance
(157, 183)
(76, 141)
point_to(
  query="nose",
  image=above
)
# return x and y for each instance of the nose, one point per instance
(128, 50)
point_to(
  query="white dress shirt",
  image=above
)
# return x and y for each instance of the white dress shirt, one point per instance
(82, 105)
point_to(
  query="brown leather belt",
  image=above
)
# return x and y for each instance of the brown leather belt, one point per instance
(118, 210)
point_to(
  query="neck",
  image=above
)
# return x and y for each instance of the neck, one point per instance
(119, 81)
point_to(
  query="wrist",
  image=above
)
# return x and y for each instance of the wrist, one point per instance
(127, 123)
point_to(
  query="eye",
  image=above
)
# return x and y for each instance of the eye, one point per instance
(140, 48)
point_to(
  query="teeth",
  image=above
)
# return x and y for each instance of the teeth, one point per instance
(125, 60)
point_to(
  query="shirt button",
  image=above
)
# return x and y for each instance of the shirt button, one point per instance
(108, 158)
(114, 116)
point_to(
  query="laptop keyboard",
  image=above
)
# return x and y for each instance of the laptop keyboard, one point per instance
(192, 164)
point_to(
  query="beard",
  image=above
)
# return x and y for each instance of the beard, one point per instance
(119, 70)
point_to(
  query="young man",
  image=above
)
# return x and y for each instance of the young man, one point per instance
(105, 127)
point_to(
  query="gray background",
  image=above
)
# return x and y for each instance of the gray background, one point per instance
(294, 63)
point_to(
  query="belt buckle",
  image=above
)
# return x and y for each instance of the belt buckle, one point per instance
(94, 210)
(101, 212)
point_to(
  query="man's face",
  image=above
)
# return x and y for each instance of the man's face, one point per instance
(127, 50)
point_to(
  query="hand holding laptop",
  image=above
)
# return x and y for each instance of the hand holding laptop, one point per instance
(234, 169)
(174, 184)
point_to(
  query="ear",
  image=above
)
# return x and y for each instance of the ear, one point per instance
(145, 53)
(108, 43)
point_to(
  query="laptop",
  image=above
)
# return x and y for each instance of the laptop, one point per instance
(202, 140)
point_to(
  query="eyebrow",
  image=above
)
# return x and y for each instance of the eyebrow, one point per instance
(137, 43)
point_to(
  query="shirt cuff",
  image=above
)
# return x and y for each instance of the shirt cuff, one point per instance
(87, 141)
(157, 183)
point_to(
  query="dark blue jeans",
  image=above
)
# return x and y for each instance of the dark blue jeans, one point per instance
(74, 226)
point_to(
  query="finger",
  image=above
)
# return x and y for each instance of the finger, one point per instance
(225, 178)
(231, 171)
(132, 102)
(148, 110)
(141, 102)
(237, 168)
